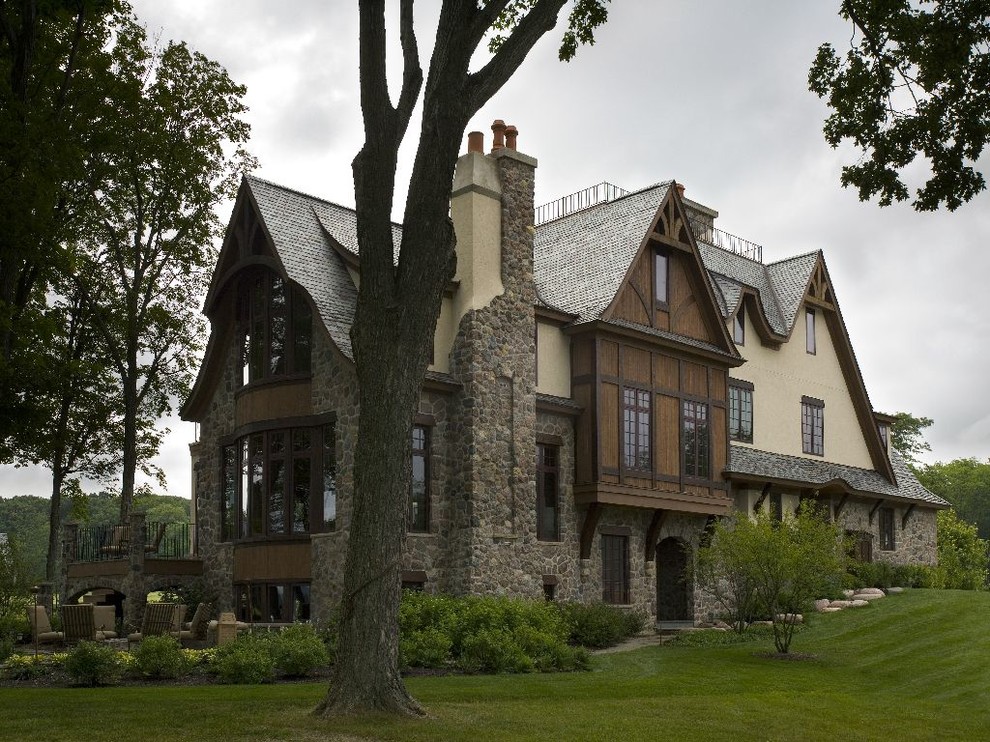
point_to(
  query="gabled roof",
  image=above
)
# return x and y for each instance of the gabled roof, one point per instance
(303, 230)
(579, 260)
(747, 461)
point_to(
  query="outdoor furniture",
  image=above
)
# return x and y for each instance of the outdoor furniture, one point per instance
(157, 621)
(105, 618)
(196, 628)
(78, 623)
(41, 627)
(117, 540)
(156, 543)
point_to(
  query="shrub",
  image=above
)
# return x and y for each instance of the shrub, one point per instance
(962, 554)
(493, 650)
(160, 657)
(598, 625)
(298, 650)
(246, 660)
(425, 648)
(93, 663)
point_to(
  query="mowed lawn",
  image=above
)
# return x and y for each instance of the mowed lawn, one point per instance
(914, 666)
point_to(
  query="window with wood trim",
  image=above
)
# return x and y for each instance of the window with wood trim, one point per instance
(265, 602)
(419, 487)
(809, 328)
(276, 328)
(661, 277)
(739, 326)
(884, 430)
(741, 411)
(615, 569)
(547, 492)
(813, 426)
(695, 439)
(269, 483)
(636, 428)
(887, 530)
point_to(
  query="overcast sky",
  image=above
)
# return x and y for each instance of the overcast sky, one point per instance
(712, 93)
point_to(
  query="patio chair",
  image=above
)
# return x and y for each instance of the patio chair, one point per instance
(117, 541)
(156, 542)
(41, 627)
(105, 618)
(157, 621)
(78, 623)
(196, 628)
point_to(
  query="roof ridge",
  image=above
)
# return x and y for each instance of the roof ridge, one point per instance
(310, 196)
(794, 257)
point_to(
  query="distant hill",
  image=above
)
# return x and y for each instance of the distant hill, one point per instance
(24, 518)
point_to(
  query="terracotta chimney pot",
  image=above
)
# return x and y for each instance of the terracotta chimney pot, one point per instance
(498, 129)
(511, 132)
(476, 141)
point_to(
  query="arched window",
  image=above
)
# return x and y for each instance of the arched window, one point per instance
(276, 328)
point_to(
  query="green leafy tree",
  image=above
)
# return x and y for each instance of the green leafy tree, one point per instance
(962, 555)
(15, 581)
(966, 484)
(398, 303)
(907, 436)
(915, 81)
(25, 519)
(779, 567)
(171, 151)
(51, 52)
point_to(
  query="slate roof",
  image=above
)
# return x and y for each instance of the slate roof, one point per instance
(765, 464)
(579, 260)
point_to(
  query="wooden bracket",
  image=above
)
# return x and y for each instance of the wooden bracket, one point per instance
(653, 534)
(763, 496)
(873, 512)
(907, 516)
(588, 529)
(840, 506)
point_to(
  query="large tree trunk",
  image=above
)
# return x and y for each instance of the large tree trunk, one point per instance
(127, 477)
(54, 523)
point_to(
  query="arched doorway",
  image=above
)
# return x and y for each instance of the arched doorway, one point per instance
(672, 583)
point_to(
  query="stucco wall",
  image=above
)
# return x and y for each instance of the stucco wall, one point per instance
(553, 360)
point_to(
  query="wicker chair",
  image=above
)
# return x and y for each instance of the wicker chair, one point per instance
(78, 623)
(196, 628)
(157, 621)
(41, 627)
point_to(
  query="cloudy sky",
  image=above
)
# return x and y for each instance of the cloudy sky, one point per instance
(712, 93)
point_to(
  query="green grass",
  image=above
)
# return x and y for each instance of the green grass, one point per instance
(911, 667)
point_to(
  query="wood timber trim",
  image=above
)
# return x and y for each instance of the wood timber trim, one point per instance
(907, 516)
(876, 507)
(842, 504)
(591, 518)
(653, 534)
(763, 496)
(639, 497)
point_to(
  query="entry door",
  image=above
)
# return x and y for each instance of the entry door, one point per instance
(672, 587)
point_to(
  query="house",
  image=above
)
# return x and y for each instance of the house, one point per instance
(604, 386)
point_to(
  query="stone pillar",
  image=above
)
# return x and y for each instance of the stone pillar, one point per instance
(133, 587)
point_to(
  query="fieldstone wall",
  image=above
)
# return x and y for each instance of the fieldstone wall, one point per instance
(914, 542)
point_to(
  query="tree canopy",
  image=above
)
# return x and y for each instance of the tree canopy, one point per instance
(966, 484)
(907, 436)
(915, 81)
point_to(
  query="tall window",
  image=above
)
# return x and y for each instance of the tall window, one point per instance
(695, 439)
(547, 500)
(887, 542)
(813, 426)
(275, 326)
(661, 265)
(884, 431)
(269, 479)
(809, 327)
(739, 326)
(741, 411)
(636, 428)
(419, 488)
(615, 569)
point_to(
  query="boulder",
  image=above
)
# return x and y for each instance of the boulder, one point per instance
(868, 596)
(790, 618)
(822, 604)
(848, 593)
(870, 591)
(858, 603)
(895, 590)
(839, 604)
(830, 609)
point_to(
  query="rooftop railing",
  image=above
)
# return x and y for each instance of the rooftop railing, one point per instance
(600, 193)
(705, 232)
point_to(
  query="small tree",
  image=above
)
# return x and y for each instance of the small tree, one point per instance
(962, 555)
(776, 566)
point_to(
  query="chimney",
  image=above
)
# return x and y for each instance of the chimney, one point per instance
(498, 130)
(476, 142)
(511, 132)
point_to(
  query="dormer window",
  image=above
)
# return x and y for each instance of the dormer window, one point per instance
(661, 265)
(739, 326)
(275, 328)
